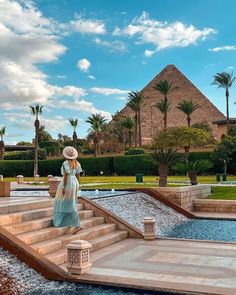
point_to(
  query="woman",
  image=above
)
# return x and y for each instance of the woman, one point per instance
(65, 205)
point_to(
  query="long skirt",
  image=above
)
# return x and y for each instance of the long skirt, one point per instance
(65, 206)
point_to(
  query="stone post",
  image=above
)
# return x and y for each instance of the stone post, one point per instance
(20, 179)
(53, 185)
(149, 225)
(36, 178)
(1, 177)
(78, 257)
(5, 189)
(49, 177)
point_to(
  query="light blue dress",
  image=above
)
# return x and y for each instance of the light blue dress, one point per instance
(65, 206)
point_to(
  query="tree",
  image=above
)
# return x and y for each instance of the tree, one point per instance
(164, 107)
(25, 143)
(2, 146)
(136, 98)
(193, 168)
(188, 107)
(36, 110)
(43, 135)
(225, 80)
(128, 124)
(74, 124)
(232, 130)
(204, 126)
(184, 137)
(165, 87)
(97, 125)
(165, 158)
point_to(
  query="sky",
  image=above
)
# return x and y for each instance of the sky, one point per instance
(78, 58)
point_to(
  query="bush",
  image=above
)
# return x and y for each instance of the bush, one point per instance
(52, 147)
(12, 168)
(135, 151)
(93, 166)
(25, 155)
(130, 165)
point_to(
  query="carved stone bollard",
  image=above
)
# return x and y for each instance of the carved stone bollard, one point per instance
(49, 177)
(53, 185)
(36, 178)
(20, 179)
(78, 257)
(1, 177)
(149, 228)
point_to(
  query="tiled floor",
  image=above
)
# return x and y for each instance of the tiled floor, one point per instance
(208, 268)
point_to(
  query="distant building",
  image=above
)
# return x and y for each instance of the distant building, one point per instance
(152, 119)
(222, 126)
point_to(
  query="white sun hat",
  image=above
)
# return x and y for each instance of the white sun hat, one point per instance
(69, 152)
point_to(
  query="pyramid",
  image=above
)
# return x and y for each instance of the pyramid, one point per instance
(152, 119)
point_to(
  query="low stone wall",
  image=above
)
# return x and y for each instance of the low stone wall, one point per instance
(223, 206)
(184, 196)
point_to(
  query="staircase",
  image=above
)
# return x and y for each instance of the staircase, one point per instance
(31, 222)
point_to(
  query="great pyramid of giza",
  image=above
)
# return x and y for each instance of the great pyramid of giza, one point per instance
(152, 119)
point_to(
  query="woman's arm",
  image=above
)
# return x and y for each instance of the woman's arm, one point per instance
(78, 176)
(65, 178)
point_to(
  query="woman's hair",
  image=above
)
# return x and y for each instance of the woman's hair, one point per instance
(73, 164)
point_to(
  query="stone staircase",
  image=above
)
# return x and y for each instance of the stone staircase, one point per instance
(31, 222)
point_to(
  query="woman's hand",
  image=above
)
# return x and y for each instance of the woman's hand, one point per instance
(63, 191)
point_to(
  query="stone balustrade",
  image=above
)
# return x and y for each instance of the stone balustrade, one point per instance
(222, 206)
(20, 179)
(53, 185)
(5, 188)
(184, 196)
(149, 225)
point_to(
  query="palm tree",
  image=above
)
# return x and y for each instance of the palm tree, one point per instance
(165, 158)
(188, 107)
(164, 107)
(97, 125)
(2, 148)
(128, 124)
(36, 110)
(74, 124)
(136, 99)
(165, 87)
(225, 80)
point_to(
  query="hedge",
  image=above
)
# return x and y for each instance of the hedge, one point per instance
(25, 155)
(121, 165)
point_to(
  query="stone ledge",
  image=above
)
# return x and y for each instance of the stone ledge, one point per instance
(223, 206)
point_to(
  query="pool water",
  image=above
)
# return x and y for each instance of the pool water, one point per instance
(205, 229)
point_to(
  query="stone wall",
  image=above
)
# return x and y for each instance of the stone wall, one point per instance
(186, 195)
(223, 206)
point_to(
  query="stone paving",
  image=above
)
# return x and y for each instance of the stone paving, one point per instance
(201, 267)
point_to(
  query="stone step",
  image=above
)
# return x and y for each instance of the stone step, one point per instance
(17, 217)
(59, 257)
(17, 206)
(52, 232)
(60, 242)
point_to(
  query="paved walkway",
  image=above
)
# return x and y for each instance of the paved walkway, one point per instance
(186, 266)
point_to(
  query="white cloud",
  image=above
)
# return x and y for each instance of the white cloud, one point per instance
(149, 53)
(121, 98)
(223, 48)
(114, 46)
(88, 26)
(91, 77)
(83, 64)
(163, 34)
(61, 76)
(108, 91)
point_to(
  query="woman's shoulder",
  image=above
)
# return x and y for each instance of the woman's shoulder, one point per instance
(65, 163)
(79, 165)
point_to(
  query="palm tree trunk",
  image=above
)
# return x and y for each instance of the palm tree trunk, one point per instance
(139, 125)
(163, 174)
(130, 138)
(193, 177)
(227, 109)
(165, 115)
(74, 139)
(136, 130)
(189, 121)
(186, 153)
(36, 124)
(2, 149)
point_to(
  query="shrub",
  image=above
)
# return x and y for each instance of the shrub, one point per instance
(130, 165)
(12, 168)
(135, 151)
(25, 155)
(52, 147)
(93, 166)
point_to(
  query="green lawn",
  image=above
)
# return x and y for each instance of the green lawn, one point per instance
(223, 193)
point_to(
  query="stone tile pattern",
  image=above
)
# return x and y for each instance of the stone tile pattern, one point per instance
(222, 206)
(152, 119)
(185, 196)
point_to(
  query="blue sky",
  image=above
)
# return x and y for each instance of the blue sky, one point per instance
(80, 57)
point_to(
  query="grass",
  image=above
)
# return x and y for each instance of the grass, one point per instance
(223, 193)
